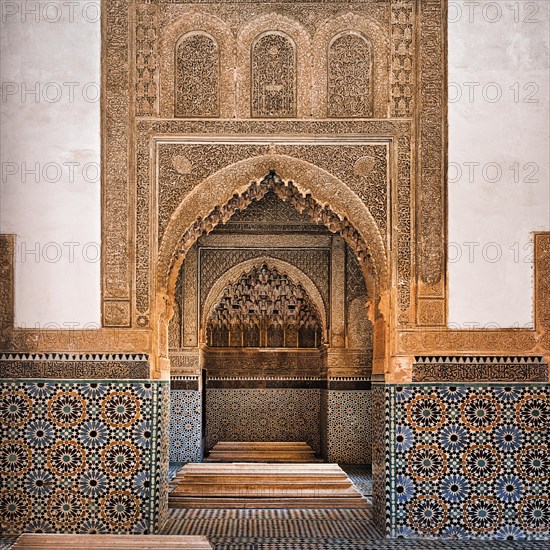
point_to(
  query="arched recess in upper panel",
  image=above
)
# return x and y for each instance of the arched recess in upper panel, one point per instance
(209, 37)
(337, 42)
(277, 42)
(349, 76)
(273, 78)
(197, 78)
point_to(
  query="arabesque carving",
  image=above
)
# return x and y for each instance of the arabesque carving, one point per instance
(302, 201)
(402, 58)
(359, 26)
(264, 35)
(197, 24)
(197, 76)
(273, 77)
(147, 74)
(349, 76)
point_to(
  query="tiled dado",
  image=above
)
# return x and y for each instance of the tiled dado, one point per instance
(185, 423)
(348, 436)
(263, 415)
(465, 460)
(83, 456)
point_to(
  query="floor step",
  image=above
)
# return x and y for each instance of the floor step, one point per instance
(262, 451)
(263, 485)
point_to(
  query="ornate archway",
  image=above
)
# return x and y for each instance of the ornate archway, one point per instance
(325, 198)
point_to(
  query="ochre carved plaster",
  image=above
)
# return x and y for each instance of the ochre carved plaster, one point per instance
(248, 35)
(233, 274)
(378, 39)
(7, 276)
(203, 208)
(169, 38)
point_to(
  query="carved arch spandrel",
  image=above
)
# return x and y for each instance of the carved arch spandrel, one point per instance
(274, 22)
(342, 211)
(379, 41)
(170, 37)
(230, 276)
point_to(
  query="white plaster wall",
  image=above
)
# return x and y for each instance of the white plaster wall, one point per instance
(52, 48)
(498, 157)
(485, 48)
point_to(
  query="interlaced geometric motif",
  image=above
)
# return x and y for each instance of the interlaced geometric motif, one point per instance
(77, 456)
(263, 415)
(349, 427)
(471, 461)
(185, 426)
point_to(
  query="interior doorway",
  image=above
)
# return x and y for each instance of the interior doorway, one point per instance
(275, 306)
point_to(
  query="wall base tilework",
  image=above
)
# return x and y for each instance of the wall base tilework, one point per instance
(185, 426)
(469, 460)
(263, 415)
(81, 457)
(349, 427)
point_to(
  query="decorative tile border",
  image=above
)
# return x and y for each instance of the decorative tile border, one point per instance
(469, 461)
(184, 383)
(74, 366)
(480, 368)
(237, 382)
(80, 457)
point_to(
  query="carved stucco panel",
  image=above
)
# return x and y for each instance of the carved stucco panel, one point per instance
(378, 38)
(197, 80)
(179, 174)
(248, 35)
(364, 168)
(116, 274)
(432, 149)
(349, 81)
(219, 189)
(147, 62)
(190, 302)
(169, 37)
(273, 76)
(402, 58)
(202, 160)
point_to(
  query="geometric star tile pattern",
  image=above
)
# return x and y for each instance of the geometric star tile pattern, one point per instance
(349, 426)
(470, 461)
(76, 457)
(185, 426)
